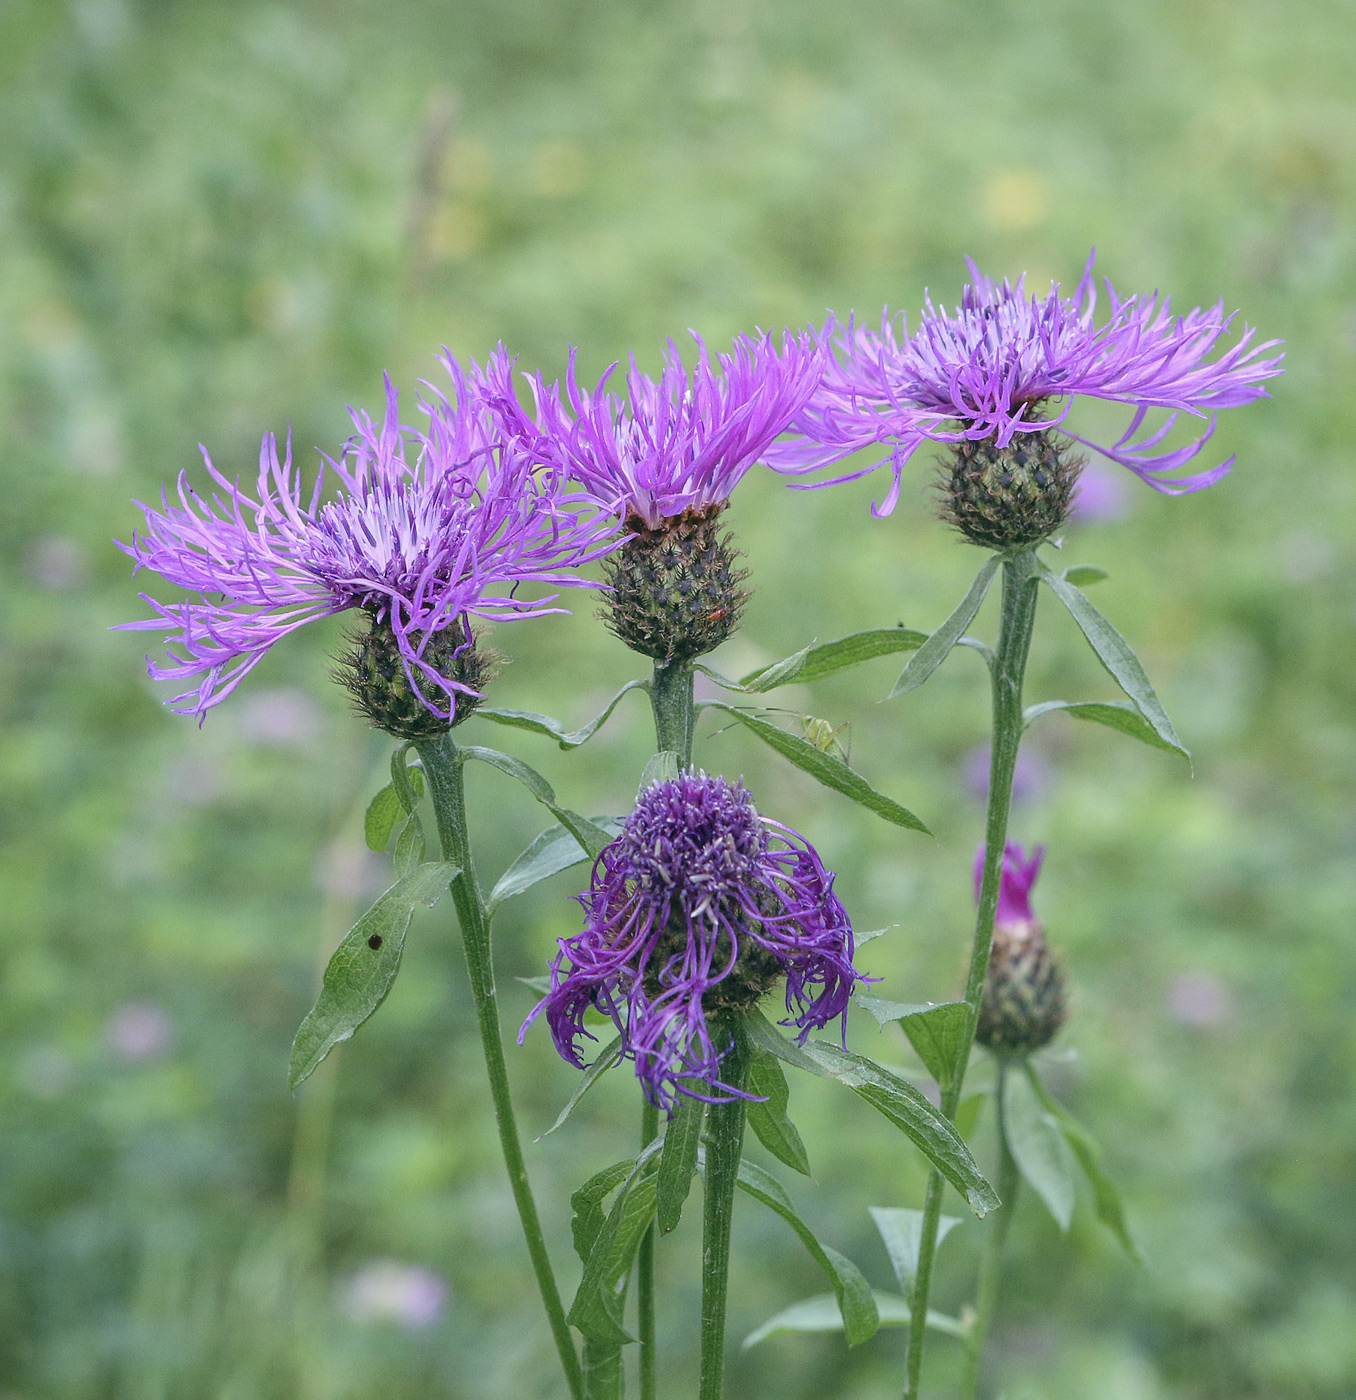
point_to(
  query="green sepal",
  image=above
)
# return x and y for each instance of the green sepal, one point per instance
(901, 1231)
(678, 1159)
(939, 1033)
(824, 767)
(1038, 1147)
(592, 838)
(610, 1056)
(554, 850)
(363, 967)
(767, 1114)
(536, 723)
(1114, 714)
(822, 1314)
(938, 646)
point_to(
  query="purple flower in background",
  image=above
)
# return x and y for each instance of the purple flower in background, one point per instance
(697, 909)
(139, 1030)
(1014, 889)
(386, 1290)
(1004, 364)
(679, 443)
(422, 530)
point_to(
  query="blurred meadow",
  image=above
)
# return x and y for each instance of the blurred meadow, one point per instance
(220, 219)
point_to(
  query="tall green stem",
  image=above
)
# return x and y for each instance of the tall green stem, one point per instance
(990, 1264)
(1008, 670)
(674, 711)
(724, 1146)
(443, 769)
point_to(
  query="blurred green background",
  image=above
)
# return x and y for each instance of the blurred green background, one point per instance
(217, 219)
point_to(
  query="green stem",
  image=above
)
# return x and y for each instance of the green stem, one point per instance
(443, 769)
(1008, 670)
(986, 1294)
(649, 1357)
(674, 712)
(724, 1147)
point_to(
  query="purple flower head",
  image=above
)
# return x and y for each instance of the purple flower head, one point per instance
(423, 529)
(1005, 363)
(680, 443)
(1014, 888)
(698, 908)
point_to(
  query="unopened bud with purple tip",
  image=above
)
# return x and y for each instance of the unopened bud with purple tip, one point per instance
(1023, 1005)
(694, 913)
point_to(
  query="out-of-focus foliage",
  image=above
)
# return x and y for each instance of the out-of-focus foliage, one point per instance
(217, 219)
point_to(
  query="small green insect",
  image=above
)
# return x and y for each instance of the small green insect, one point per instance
(824, 736)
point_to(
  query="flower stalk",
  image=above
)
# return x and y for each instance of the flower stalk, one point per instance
(443, 767)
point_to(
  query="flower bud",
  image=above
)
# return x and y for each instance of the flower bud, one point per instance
(1006, 497)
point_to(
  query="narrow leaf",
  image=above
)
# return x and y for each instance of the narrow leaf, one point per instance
(935, 650)
(1080, 575)
(663, 767)
(768, 1118)
(410, 846)
(610, 1056)
(824, 767)
(678, 1160)
(1106, 1198)
(939, 1033)
(1114, 714)
(783, 672)
(1039, 1148)
(552, 728)
(968, 1112)
(363, 967)
(902, 1233)
(821, 1314)
(764, 1036)
(383, 812)
(597, 1307)
(592, 838)
(587, 1205)
(816, 662)
(408, 782)
(550, 853)
(1113, 651)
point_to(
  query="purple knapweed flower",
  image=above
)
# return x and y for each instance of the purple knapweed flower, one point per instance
(680, 443)
(694, 911)
(1015, 883)
(422, 529)
(1005, 363)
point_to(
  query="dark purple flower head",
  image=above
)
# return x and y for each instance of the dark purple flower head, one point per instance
(1006, 363)
(1014, 889)
(697, 909)
(422, 530)
(680, 443)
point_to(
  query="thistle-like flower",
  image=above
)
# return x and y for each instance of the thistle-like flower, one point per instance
(1023, 1004)
(695, 912)
(422, 531)
(999, 375)
(666, 457)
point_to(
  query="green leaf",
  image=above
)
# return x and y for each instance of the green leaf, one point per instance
(550, 853)
(821, 1314)
(597, 1307)
(935, 650)
(408, 782)
(663, 767)
(383, 812)
(1106, 1198)
(363, 967)
(592, 838)
(764, 1036)
(410, 846)
(768, 1118)
(940, 1032)
(610, 1056)
(552, 728)
(967, 1114)
(1114, 714)
(1113, 651)
(1038, 1147)
(855, 1299)
(824, 767)
(678, 1159)
(1080, 575)
(586, 1205)
(913, 1115)
(603, 1375)
(902, 1232)
(816, 662)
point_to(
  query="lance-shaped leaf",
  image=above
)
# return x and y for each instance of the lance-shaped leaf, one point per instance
(678, 1159)
(767, 1114)
(610, 1056)
(938, 646)
(901, 1231)
(855, 1299)
(821, 1314)
(535, 723)
(1038, 1147)
(1114, 714)
(939, 1033)
(363, 967)
(1081, 575)
(550, 853)
(1107, 1199)
(410, 846)
(663, 767)
(889, 1095)
(824, 767)
(597, 1307)
(592, 838)
(389, 805)
(816, 662)
(1113, 651)
(586, 1205)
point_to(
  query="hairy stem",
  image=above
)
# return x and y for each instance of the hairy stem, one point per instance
(1008, 670)
(443, 769)
(674, 712)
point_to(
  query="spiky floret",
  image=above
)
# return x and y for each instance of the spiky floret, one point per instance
(1002, 497)
(422, 530)
(1023, 1006)
(675, 590)
(697, 910)
(1004, 364)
